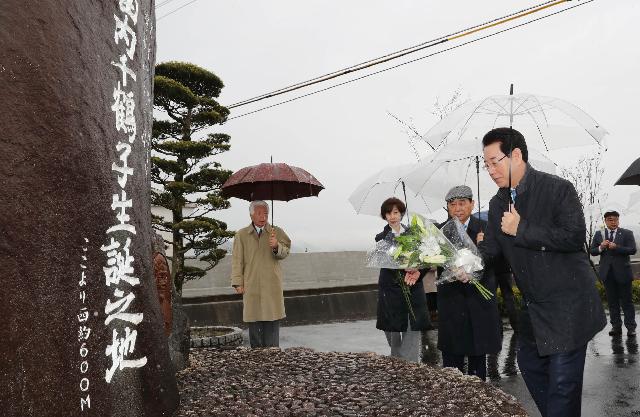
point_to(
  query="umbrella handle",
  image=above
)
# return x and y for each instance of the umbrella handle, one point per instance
(272, 194)
(406, 203)
(478, 182)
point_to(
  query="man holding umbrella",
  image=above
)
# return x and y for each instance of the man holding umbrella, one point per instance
(256, 274)
(536, 222)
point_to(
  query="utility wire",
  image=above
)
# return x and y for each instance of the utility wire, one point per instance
(163, 3)
(411, 61)
(403, 52)
(175, 10)
(353, 68)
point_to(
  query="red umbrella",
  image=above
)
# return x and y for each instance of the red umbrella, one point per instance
(271, 181)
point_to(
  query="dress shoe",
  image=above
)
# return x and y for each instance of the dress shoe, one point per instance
(615, 331)
(631, 332)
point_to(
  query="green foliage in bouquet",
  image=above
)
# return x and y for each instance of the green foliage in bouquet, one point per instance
(422, 246)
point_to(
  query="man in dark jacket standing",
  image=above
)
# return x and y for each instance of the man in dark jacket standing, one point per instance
(614, 249)
(536, 222)
(469, 325)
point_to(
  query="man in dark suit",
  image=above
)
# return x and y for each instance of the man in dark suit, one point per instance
(536, 222)
(469, 325)
(614, 249)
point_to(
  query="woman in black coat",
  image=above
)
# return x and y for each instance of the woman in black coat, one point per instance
(403, 332)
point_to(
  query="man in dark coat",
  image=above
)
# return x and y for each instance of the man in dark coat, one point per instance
(614, 249)
(541, 237)
(469, 325)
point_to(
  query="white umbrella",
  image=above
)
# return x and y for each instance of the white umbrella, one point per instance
(389, 182)
(459, 164)
(548, 123)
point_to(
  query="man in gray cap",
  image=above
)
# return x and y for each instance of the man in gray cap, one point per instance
(469, 325)
(460, 204)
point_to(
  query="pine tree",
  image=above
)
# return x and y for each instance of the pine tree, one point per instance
(189, 180)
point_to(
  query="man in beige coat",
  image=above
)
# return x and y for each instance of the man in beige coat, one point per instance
(256, 274)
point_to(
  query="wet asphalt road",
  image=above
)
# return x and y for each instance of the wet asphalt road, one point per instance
(612, 371)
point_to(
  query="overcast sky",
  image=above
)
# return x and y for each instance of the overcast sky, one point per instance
(588, 56)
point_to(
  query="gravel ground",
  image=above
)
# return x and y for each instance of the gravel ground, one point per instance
(303, 382)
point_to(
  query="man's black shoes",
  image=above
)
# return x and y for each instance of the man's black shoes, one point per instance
(616, 331)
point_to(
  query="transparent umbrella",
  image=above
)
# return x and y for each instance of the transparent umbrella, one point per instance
(548, 123)
(389, 182)
(460, 163)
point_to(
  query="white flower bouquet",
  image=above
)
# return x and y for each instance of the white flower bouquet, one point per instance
(424, 246)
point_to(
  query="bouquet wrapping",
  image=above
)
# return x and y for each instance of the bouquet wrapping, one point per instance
(423, 246)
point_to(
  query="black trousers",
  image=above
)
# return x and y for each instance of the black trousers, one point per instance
(505, 282)
(264, 334)
(619, 295)
(477, 364)
(554, 381)
(432, 301)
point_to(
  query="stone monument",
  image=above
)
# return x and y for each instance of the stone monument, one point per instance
(81, 330)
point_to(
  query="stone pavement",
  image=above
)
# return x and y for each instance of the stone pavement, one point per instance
(611, 383)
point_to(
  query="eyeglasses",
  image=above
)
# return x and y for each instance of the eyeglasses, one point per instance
(487, 165)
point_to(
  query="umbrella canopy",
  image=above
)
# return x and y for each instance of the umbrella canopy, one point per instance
(389, 182)
(458, 164)
(548, 123)
(631, 176)
(271, 181)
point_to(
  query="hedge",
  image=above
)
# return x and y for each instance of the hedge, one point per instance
(635, 296)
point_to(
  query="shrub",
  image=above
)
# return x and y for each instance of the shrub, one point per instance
(635, 295)
(635, 291)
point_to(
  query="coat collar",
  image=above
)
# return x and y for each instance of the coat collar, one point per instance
(529, 177)
(252, 230)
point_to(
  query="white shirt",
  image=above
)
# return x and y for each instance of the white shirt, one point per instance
(612, 235)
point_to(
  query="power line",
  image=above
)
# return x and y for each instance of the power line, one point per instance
(409, 62)
(175, 10)
(163, 3)
(403, 52)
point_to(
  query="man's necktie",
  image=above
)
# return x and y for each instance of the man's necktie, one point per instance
(513, 195)
(612, 235)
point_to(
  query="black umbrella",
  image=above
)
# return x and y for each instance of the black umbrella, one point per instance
(631, 176)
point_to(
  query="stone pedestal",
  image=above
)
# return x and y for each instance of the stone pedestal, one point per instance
(81, 329)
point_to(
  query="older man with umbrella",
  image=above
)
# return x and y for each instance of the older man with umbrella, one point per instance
(259, 247)
(256, 274)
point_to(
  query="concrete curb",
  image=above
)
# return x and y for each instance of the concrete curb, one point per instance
(320, 306)
(234, 338)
